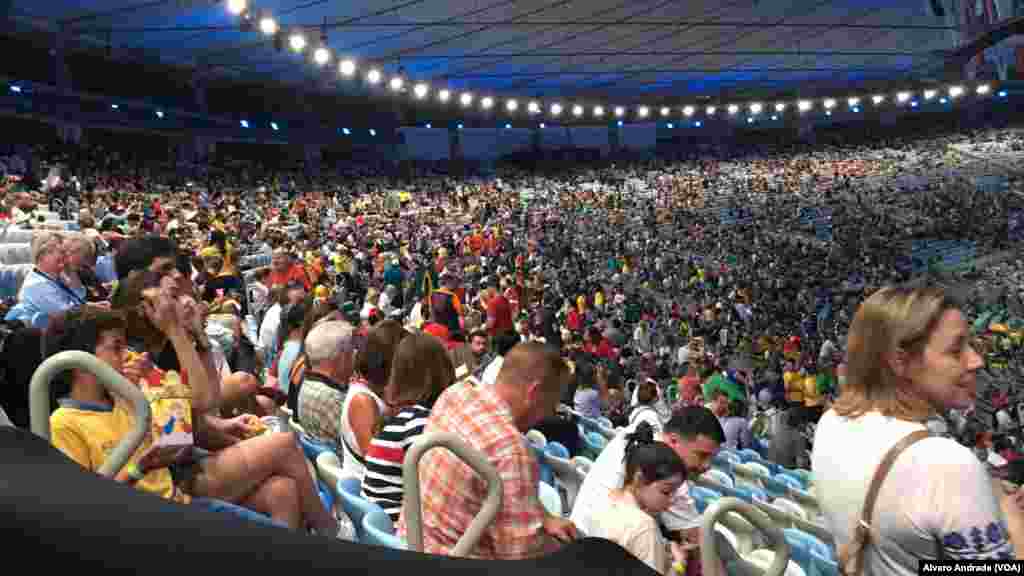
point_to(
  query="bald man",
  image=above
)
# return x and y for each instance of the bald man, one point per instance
(492, 420)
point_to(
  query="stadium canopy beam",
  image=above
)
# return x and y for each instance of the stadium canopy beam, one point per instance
(517, 24)
(650, 53)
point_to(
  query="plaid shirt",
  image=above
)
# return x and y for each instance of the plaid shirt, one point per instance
(452, 493)
(320, 410)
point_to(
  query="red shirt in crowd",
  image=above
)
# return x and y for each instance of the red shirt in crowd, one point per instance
(295, 272)
(499, 309)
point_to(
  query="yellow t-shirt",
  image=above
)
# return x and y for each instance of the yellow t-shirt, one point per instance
(88, 433)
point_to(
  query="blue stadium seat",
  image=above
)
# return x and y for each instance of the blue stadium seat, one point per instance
(312, 448)
(703, 497)
(821, 566)
(557, 450)
(354, 505)
(378, 530)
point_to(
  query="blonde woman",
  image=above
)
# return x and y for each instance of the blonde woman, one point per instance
(909, 357)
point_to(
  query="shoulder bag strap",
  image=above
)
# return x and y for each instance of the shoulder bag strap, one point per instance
(851, 554)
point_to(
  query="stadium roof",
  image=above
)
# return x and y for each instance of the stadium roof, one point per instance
(615, 51)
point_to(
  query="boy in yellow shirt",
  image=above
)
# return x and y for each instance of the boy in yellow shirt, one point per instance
(267, 474)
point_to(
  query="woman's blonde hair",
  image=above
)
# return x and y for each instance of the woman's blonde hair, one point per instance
(421, 370)
(891, 320)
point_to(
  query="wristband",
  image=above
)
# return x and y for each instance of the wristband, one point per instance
(133, 472)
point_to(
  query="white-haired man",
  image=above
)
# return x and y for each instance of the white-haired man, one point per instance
(322, 391)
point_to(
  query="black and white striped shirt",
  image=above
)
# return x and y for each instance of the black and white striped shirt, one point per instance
(382, 483)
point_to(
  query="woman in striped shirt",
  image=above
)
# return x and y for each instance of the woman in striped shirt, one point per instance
(421, 370)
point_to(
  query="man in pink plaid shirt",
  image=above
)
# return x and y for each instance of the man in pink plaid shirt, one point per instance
(492, 419)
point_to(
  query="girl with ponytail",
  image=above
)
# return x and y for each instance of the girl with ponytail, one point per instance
(653, 474)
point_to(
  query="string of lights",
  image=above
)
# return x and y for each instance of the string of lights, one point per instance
(322, 56)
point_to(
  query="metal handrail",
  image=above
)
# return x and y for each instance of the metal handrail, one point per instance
(411, 484)
(116, 384)
(709, 557)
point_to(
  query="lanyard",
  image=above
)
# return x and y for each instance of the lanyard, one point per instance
(61, 285)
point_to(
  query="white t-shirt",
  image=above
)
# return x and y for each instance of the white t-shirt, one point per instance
(490, 375)
(631, 528)
(683, 354)
(268, 330)
(936, 491)
(608, 473)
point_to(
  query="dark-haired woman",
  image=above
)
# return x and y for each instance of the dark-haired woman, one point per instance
(289, 342)
(653, 474)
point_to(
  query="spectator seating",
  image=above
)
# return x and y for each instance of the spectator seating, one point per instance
(550, 498)
(568, 477)
(328, 470)
(55, 499)
(353, 504)
(379, 530)
(593, 444)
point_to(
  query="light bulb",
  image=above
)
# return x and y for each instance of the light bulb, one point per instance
(268, 26)
(321, 56)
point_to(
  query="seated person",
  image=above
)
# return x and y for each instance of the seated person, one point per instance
(492, 419)
(44, 292)
(629, 518)
(324, 385)
(267, 474)
(421, 370)
(693, 432)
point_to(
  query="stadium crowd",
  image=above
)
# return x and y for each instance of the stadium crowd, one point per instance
(755, 297)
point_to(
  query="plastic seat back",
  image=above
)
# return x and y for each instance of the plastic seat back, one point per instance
(751, 494)
(703, 497)
(730, 456)
(804, 476)
(568, 478)
(328, 468)
(821, 566)
(354, 505)
(583, 464)
(758, 468)
(723, 464)
(747, 476)
(550, 498)
(790, 481)
(763, 557)
(378, 530)
(557, 450)
(594, 443)
(546, 473)
(747, 455)
(802, 545)
(790, 507)
(719, 477)
(537, 438)
(312, 448)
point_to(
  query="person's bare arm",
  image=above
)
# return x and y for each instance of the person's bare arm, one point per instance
(205, 390)
(362, 419)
